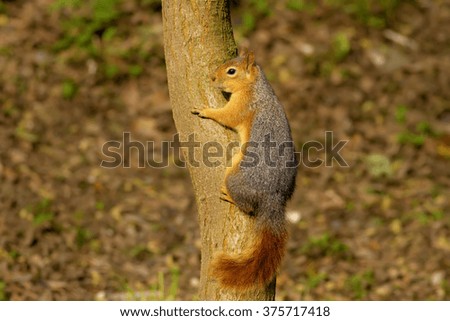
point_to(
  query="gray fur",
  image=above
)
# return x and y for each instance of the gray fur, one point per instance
(262, 188)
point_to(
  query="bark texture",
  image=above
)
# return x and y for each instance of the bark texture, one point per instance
(198, 37)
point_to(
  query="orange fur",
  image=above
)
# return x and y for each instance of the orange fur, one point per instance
(255, 267)
(235, 115)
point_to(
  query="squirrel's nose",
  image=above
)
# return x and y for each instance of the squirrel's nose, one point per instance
(213, 77)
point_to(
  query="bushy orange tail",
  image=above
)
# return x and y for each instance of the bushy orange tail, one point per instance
(255, 267)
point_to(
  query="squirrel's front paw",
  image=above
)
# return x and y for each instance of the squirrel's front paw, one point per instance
(198, 112)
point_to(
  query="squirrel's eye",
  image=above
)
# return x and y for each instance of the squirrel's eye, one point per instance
(231, 71)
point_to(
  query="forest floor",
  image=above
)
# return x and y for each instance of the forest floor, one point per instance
(75, 75)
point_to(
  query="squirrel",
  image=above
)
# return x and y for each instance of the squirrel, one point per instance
(261, 179)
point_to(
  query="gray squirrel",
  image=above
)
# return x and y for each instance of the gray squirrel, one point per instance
(261, 179)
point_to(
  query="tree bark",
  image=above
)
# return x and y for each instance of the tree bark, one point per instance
(198, 37)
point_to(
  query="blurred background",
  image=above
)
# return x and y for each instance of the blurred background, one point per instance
(75, 74)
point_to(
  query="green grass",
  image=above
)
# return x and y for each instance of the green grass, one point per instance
(425, 128)
(139, 251)
(82, 236)
(42, 212)
(97, 30)
(82, 26)
(300, 5)
(61, 4)
(339, 49)
(135, 70)
(415, 136)
(410, 138)
(2, 7)
(340, 46)
(14, 254)
(400, 113)
(253, 10)
(350, 206)
(111, 71)
(3, 296)
(324, 245)
(24, 134)
(429, 217)
(372, 13)
(360, 284)
(446, 287)
(158, 291)
(314, 279)
(85, 22)
(99, 205)
(69, 89)
(261, 6)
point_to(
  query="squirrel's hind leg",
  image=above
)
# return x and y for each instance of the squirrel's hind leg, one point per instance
(243, 196)
(224, 196)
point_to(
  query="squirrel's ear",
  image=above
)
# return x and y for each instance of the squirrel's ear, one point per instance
(249, 60)
(243, 52)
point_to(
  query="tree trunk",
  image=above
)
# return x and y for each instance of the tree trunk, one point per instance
(198, 37)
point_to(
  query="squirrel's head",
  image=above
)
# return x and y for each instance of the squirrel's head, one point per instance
(236, 74)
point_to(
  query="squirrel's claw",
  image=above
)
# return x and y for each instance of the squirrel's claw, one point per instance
(224, 196)
(199, 112)
(223, 190)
